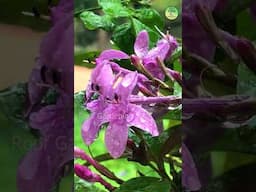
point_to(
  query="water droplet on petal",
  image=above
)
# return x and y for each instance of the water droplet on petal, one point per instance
(127, 82)
(129, 117)
(171, 13)
(142, 120)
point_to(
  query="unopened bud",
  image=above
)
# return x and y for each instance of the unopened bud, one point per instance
(85, 173)
(135, 60)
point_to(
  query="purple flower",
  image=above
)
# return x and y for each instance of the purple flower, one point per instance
(58, 12)
(102, 76)
(124, 115)
(53, 66)
(163, 50)
(43, 167)
(245, 49)
(190, 178)
(120, 114)
(205, 46)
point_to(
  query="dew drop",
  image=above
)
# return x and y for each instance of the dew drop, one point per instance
(171, 13)
(126, 82)
(142, 120)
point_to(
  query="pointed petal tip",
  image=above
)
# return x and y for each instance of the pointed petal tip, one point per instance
(141, 44)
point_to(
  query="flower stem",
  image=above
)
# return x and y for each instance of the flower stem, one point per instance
(140, 67)
(106, 184)
(153, 100)
(79, 153)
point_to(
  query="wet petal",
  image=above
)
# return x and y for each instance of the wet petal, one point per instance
(103, 77)
(141, 44)
(161, 51)
(155, 70)
(112, 54)
(37, 120)
(94, 105)
(116, 138)
(140, 118)
(173, 44)
(91, 127)
(127, 85)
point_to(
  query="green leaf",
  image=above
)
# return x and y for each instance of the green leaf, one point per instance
(225, 161)
(150, 17)
(245, 21)
(82, 186)
(14, 13)
(145, 184)
(246, 81)
(12, 101)
(93, 21)
(79, 108)
(139, 26)
(88, 56)
(114, 8)
(124, 38)
(16, 138)
(177, 89)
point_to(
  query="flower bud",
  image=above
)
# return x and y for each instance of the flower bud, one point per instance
(135, 60)
(85, 173)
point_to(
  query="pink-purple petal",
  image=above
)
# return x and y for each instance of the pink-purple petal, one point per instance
(190, 178)
(127, 85)
(103, 77)
(112, 54)
(140, 118)
(141, 44)
(116, 137)
(161, 51)
(91, 127)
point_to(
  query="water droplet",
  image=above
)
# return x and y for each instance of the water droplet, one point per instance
(171, 13)
(116, 143)
(126, 82)
(129, 117)
(142, 120)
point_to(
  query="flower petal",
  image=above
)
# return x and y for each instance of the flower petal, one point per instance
(35, 173)
(173, 44)
(91, 127)
(141, 44)
(140, 118)
(94, 105)
(161, 51)
(111, 54)
(41, 119)
(190, 178)
(127, 85)
(116, 138)
(103, 77)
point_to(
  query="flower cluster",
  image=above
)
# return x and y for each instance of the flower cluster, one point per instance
(206, 24)
(42, 168)
(120, 101)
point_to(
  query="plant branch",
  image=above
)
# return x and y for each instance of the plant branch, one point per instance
(79, 153)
